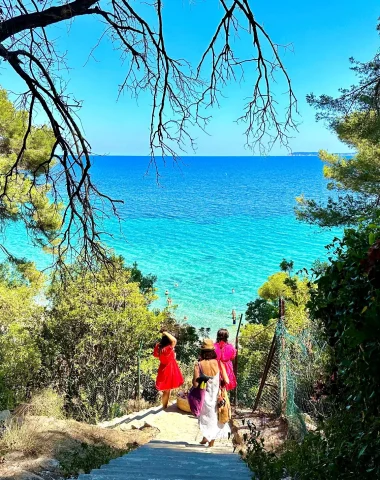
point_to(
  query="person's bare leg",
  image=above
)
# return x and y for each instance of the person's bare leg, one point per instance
(211, 443)
(204, 441)
(165, 398)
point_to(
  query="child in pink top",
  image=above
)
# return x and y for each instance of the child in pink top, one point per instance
(226, 353)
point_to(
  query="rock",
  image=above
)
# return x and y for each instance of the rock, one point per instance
(124, 427)
(50, 464)
(30, 476)
(14, 456)
(5, 415)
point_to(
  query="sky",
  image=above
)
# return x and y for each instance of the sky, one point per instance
(321, 37)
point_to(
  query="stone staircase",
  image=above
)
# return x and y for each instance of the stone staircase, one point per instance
(159, 460)
(175, 454)
(134, 420)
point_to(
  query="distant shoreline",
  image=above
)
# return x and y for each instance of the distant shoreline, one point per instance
(315, 154)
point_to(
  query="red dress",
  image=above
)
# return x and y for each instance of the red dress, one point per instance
(169, 375)
(226, 353)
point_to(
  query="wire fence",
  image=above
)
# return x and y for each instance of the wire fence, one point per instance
(284, 375)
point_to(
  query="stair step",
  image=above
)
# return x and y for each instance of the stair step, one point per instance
(226, 453)
(192, 467)
(189, 459)
(178, 458)
(131, 417)
(164, 474)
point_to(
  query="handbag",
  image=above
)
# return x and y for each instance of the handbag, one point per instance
(224, 406)
(196, 395)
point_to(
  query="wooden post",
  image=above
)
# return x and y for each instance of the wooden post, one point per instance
(281, 313)
(236, 359)
(139, 373)
(266, 371)
(283, 365)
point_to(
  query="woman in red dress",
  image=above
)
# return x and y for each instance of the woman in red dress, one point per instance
(169, 375)
(226, 353)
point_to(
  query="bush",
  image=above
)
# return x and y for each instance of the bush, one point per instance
(347, 303)
(86, 457)
(97, 324)
(20, 321)
(21, 437)
(47, 403)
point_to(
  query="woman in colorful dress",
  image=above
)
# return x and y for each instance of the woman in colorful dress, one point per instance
(209, 366)
(225, 353)
(169, 375)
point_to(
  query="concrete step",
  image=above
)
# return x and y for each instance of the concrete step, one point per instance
(182, 467)
(196, 459)
(225, 451)
(191, 459)
(196, 466)
(169, 459)
(165, 473)
(135, 417)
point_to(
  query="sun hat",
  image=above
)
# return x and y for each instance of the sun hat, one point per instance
(207, 344)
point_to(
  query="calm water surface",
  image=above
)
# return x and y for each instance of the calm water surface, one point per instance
(213, 225)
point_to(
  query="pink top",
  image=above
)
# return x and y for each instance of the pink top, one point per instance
(226, 353)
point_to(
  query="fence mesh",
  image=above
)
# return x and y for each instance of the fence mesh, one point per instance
(293, 383)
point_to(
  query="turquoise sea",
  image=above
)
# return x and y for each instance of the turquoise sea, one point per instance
(212, 225)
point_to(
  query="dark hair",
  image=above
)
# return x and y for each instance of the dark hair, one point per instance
(164, 342)
(222, 335)
(208, 355)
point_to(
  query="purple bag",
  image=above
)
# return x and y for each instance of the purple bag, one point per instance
(196, 395)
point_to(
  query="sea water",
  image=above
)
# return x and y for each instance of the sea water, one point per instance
(212, 229)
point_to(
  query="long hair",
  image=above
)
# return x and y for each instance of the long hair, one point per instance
(222, 335)
(208, 355)
(164, 342)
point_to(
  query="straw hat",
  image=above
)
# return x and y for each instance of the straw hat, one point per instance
(207, 344)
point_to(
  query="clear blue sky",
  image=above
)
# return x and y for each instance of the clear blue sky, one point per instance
(324, 35)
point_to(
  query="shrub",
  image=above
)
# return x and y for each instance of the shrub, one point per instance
(97, 324)
(47, 403)
(21, 437)
(86, 457)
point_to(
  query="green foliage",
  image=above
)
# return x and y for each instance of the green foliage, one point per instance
(87, 457)
(188, 337)
(257, 335)
(47, 403)
(96, 325)
(260, 311)
(20, 326)
(146, 282)
(347, 300)
(286, 266)
(264, 464)
(295, 291)
(26, 189)
(356, 180)
(354, 117)
(255, 341)
(362, 97)
(341, 451)
(187, 349)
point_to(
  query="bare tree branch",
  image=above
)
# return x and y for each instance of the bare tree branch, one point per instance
(181, 97)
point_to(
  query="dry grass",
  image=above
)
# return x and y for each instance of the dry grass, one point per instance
(137, 405)
(272, 430)
(46, 403)
(21, 437)
(187, 372)
(78, 446)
